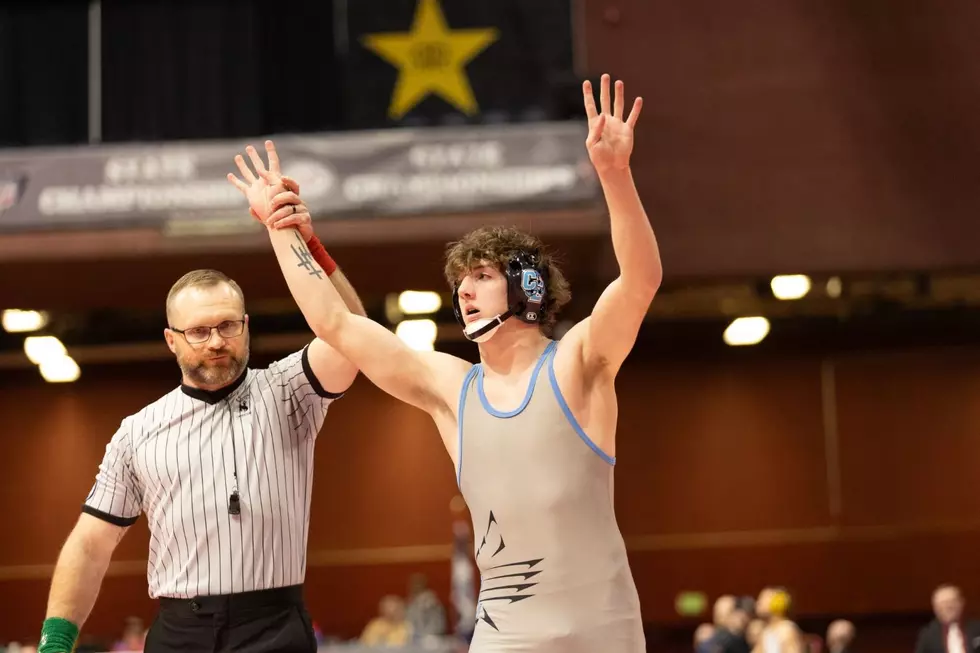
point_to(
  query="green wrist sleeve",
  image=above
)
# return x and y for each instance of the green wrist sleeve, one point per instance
(57, 636)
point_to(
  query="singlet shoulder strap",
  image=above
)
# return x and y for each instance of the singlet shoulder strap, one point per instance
(560, 398)
(467, 382)
(532, 383)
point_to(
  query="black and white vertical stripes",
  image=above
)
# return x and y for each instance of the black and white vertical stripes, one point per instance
(177, 461)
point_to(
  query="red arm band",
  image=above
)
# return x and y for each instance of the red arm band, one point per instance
(320, 256)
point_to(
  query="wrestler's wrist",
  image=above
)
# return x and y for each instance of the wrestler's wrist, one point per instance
(321, 256)
(58, 635)
(613, 175)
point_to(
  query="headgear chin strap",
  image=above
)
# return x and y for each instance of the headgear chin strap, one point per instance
(527, 284)
(484, 328)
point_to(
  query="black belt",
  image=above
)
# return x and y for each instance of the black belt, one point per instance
(222, 603)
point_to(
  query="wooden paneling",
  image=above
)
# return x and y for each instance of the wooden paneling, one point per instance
(717, 447)
(800, 135)
(383, 476)
(910, 436)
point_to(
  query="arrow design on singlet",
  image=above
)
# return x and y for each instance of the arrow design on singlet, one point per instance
(486, 618)
(501, 546)
(525, 576)
(510, 587)
(486, 593)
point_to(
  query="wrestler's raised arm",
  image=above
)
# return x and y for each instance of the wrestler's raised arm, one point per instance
(427, 380)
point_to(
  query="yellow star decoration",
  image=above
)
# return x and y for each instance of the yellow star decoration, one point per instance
(430, 59)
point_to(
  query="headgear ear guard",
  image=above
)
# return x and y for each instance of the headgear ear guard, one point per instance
(527, 289)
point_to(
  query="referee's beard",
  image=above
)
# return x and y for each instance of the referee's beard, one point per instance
(198, 368)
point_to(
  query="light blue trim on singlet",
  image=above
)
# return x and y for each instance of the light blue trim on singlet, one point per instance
(527, 395)
(571, 418)
(459, 424)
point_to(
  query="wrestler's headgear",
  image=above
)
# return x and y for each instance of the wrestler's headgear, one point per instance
(527, 284)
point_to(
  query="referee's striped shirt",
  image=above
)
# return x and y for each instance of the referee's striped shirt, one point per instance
(175, 461)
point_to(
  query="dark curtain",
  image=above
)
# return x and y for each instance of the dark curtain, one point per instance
(527, 74)
(216, 69)
(243, 68)
(43, 73)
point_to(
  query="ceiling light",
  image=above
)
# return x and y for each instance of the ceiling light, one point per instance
(834, 287)
(746, 331)
(42, 348)
(790, 286)
(418, 334)
(18, 321)
(419, 302)
(59, 369)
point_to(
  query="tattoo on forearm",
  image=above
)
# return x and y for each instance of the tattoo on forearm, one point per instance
(305, 258)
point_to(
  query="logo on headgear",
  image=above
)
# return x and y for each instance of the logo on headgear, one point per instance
(533, 286)
(531, 315)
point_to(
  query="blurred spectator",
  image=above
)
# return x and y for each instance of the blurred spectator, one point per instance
(840, 636)
(812, 643)
(781, 634)
(723, 608)
(702, 637)
(753, 632)
(133, 637)
(424, 612)
(948, 632)
(17, 647)
(318, 634)
(730, 634)
(462, 572)
(389, 628)
(730, 621)
(747, 605)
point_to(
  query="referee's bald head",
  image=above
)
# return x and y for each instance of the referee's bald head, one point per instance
(200, 279)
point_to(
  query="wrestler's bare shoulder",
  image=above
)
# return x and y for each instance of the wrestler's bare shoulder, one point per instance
(446, 375)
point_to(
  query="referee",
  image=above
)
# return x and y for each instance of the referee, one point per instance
(222, 466)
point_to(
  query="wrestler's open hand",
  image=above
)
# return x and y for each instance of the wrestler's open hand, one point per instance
(610, 140)
(271, 196)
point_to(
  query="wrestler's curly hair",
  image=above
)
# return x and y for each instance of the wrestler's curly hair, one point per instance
(496, 246)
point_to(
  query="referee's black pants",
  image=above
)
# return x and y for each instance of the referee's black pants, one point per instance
(251, 622)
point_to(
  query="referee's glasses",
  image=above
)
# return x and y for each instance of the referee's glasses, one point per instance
(201, 334)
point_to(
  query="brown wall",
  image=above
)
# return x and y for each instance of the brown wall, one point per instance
(727, 478)
(800, 135)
